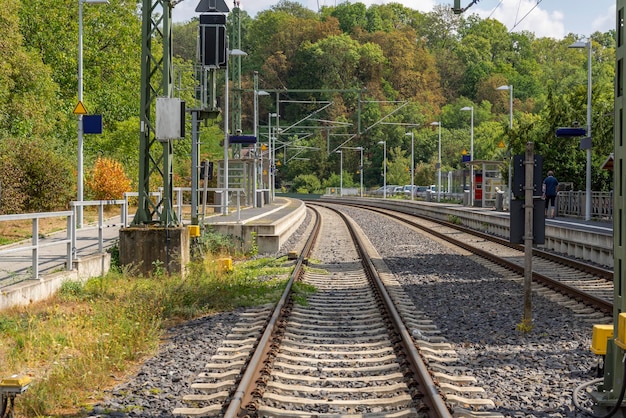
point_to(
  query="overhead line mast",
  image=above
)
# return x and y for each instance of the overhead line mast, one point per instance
(457, 9)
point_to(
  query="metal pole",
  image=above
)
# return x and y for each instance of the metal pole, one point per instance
(510, 152)
(256, 122)
(79, 208)
(588, 172)
(439, 171)
(384, 168)
(528, 232)
(340, 173)
(226, 140)
(412, 166)
(473, 182)
(361, 170)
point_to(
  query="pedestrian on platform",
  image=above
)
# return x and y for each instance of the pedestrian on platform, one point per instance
(550, 188)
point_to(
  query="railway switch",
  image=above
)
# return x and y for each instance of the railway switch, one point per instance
(599, 338)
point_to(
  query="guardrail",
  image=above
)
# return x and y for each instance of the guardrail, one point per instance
(572, 203)
(35, 246)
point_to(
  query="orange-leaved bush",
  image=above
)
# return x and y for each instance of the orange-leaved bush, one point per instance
(107, 180)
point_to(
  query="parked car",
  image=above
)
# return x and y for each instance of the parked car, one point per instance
(390, 190)
(397, 190)
(421, 191)
(408, 190)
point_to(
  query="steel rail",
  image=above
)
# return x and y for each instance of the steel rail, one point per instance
(600, 304)
(427, 386)
(242, 395)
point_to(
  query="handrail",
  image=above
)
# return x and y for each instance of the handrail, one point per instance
(35, 245)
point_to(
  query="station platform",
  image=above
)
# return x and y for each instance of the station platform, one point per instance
(268, 226)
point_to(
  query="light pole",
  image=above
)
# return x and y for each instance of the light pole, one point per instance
(340, 172)
(257, 93)
(510, 89)
(438, 162)
(412, 162)
(270, 173)
(384, 168)
(472, 185)
(360, 167)
(588, 170)
(79, 212)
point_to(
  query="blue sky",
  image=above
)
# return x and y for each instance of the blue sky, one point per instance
(546, 18)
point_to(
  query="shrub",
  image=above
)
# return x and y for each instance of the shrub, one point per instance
(107, 180)
(33, 177)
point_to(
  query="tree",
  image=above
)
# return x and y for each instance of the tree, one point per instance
(107, 180)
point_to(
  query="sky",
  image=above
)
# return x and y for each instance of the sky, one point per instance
(546, 18)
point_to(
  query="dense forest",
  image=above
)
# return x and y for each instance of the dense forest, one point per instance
(383, 71)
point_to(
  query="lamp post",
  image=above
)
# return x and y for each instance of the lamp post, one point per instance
(510, 89)
(360, 167)
(340, 172)
(257, 93)
(588, 168)
(236, 53)
(270, 173)
(79, 213)
(438, 162)
(412, 162)
(384, 168)
(471, 109)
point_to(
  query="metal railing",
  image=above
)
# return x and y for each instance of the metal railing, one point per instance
(35, 246)
(572, 204)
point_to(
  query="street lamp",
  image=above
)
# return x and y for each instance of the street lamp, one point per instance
(236, 53)
(510, 89)
(412, 161)
(270, 173)
(361, 166)
(340, 172)
(384, 168)
(438, 163)
(588, 171)
(472, 185)
(79, 213)
(257, 93)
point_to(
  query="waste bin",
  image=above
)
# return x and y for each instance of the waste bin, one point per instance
(429, 196)
(500, 201)
(466, 197)
(260, 198)
(267, 197)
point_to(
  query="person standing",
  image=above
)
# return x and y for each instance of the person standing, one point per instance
(550, 189)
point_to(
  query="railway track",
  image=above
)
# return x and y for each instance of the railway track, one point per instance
(357, 347)
(588, 284)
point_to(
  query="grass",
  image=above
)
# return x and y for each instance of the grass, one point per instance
(91, 335)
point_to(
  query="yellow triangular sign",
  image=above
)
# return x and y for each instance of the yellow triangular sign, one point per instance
(501, 144)
(80, 109)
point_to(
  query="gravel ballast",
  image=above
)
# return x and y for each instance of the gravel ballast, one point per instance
(476, 310)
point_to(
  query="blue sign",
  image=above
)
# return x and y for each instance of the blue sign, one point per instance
(567, 132)
(92, 124)
(466, 158)
(242, 139)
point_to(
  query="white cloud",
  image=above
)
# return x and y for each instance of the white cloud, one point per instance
(526, 15)
(605, 22)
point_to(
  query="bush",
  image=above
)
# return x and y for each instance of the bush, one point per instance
(107, 180)
(306, 183)
(33, 177)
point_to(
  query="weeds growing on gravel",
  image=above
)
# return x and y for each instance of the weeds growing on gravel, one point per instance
(89, 335)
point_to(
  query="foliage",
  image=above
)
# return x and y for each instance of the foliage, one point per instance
(107, 180)
(34, 178)
(379, 63)
(306, 183)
